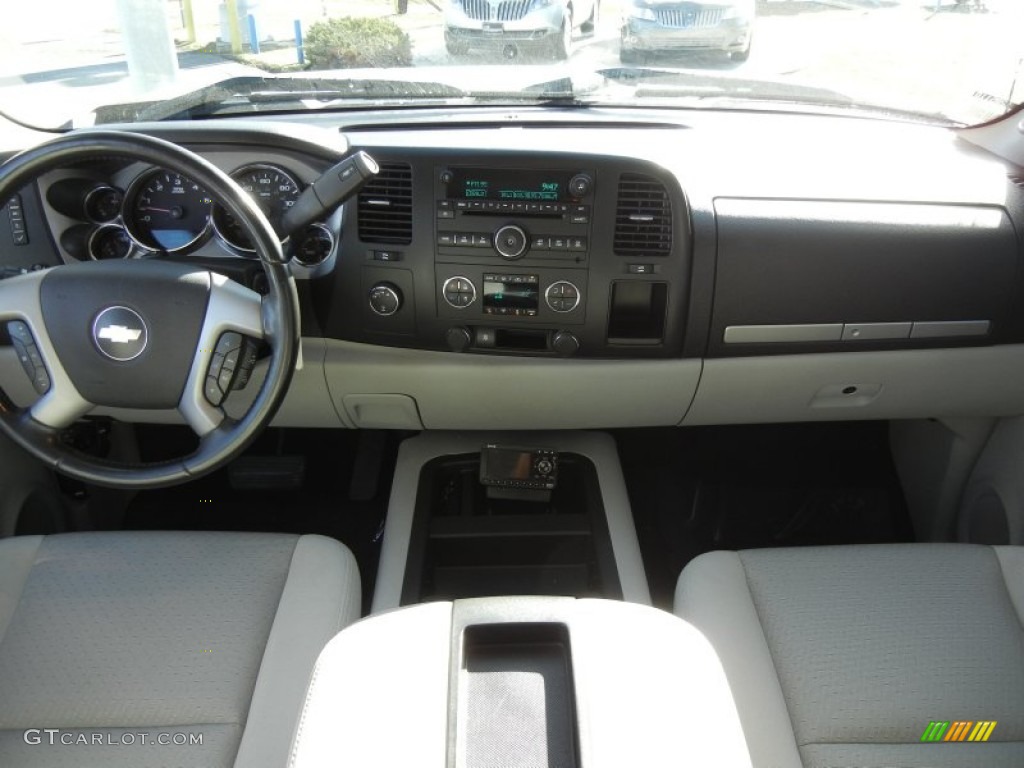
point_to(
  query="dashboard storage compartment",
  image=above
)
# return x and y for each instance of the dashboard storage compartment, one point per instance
(806, 276)
(464, 543)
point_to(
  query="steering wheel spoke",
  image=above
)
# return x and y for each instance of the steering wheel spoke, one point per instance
(60, 404)
(233, 316)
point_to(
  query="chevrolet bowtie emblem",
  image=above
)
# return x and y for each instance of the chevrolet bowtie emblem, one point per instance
(119, 334)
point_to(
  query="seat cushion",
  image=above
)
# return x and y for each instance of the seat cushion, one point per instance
(842, 656)
(120, 640)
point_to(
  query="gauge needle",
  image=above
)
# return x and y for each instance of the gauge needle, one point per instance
(160, 210)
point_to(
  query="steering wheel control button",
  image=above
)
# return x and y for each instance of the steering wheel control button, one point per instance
(562, 296)
(459, 292)
(28, 355)
(510, 242)
(120, 333)
(385, 299)
(16, 220)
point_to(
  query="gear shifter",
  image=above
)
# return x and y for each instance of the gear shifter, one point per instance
(335, 186)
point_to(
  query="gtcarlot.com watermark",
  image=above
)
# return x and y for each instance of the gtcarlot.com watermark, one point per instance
(76, 738)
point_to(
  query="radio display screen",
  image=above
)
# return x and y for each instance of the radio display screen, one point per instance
(522, 185)
(511, 294)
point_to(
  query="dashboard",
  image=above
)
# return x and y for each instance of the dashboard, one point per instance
(524, 270)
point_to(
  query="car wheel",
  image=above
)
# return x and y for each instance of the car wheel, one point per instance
(589, 26)
(563, 42)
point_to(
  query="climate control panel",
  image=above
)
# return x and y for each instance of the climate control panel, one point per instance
(530, 253)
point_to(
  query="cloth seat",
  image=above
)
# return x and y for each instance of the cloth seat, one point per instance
(843, 656)
(128, 648)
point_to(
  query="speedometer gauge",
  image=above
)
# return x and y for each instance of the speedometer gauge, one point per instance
(273, 189)
(167, 211)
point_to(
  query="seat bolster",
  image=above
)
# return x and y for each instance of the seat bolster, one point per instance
(713, 595)
(1011, 562)
(320, 597)
(17, 554)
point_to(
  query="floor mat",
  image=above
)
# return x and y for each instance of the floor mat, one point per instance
(322, 503)
(699, 489)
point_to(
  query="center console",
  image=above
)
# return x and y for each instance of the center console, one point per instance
(475, 514)
(501, 253)
(530, 682)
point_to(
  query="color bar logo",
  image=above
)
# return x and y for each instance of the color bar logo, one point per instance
(958, 730)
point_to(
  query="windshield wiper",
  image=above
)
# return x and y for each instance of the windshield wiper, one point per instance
(253, 94)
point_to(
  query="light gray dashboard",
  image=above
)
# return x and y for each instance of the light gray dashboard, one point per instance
(820, 268)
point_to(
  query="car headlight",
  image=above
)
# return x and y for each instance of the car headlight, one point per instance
(642, 13)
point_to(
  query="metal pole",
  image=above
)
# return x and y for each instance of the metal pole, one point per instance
(233, 28)
(189, 19)
(254, 40)
(299, 50)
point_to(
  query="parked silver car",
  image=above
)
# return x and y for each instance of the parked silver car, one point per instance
(511, 26)
(669, 25)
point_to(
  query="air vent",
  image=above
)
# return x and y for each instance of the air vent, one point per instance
(385, 206)
(1018, 179)
(643, 219)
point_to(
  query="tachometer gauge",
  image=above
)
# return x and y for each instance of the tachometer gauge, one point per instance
(167, 211)
(273, 189)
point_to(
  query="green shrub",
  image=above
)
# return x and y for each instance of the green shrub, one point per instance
(364, 42)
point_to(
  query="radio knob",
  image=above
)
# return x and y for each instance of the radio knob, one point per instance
(580, 184)
(510, 241)
(565, 343)
(458, 338)
(385, 299)
(447, 176)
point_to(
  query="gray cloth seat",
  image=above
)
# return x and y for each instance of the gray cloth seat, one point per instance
(112, 644)
(842, 656)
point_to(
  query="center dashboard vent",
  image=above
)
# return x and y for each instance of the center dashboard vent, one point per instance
(643, 217)
(1018, 179)
(385, 206)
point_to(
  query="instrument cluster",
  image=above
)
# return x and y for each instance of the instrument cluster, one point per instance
(159, 211)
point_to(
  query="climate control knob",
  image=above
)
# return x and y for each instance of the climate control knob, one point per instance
(565, 343)
(510, 241)
(459, 339)
(385, 299)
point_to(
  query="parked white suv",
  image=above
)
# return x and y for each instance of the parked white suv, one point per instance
(514, 26)
(650, 26)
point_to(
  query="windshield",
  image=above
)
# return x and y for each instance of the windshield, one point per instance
(67, 63)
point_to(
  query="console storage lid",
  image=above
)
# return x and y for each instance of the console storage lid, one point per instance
(608, 683)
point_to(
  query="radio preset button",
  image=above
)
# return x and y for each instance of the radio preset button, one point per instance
(577, 243)
(462, 238)
(462, 205)
(444, 209)
(539, 243)
(559, 243)
(446, 238)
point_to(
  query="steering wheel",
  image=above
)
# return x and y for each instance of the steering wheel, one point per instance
(142, 333)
